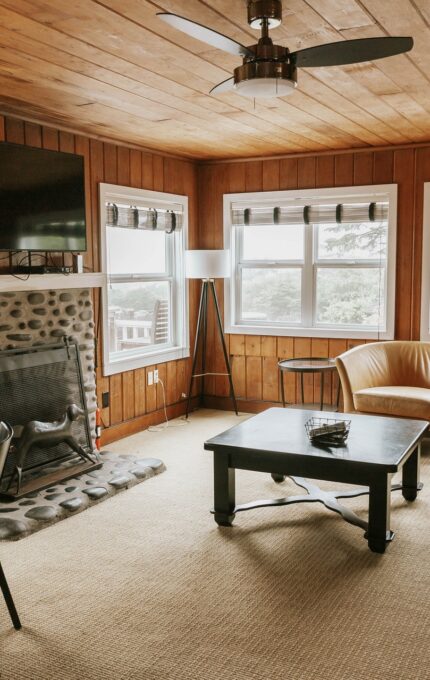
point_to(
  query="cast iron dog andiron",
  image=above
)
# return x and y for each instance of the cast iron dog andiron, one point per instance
(38, 433)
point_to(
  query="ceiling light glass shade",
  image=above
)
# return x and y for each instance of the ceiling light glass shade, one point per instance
(207, 264)
(265, 87)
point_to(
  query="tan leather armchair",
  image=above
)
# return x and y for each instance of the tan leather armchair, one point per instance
(388, 378)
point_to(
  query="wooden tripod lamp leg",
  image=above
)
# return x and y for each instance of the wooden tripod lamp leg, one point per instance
(224, 348)
(201, 338)
(9, 601)
(201, 328)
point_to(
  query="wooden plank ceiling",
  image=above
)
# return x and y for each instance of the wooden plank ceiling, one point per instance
(111, 68)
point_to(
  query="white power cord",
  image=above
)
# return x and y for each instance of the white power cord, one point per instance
(167, 423)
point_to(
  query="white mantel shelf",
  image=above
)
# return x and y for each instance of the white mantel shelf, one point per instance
(10, 283)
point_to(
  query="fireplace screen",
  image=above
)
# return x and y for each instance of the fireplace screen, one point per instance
(40, 384)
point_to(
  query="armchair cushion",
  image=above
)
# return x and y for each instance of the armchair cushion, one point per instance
(396, 400)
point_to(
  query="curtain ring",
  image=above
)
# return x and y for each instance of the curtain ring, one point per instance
(173, 225)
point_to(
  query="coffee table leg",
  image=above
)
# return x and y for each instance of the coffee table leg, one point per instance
(378, 532)
(278, 478)
(411, 476)
(224, 490)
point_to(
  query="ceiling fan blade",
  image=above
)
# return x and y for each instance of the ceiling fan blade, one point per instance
(207, 35)
(225, 86)
(351, 51)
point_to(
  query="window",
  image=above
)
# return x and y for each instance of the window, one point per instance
(312, 262)
(144, 299)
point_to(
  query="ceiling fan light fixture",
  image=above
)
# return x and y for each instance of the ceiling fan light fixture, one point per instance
(265, 88)
(266, 79)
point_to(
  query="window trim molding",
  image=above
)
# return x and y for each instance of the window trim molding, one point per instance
(425, 271)
(157, 356)
(365, 192)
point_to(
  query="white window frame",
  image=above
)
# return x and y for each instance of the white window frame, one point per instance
(371, 193)
(425, 276)
(112, 193)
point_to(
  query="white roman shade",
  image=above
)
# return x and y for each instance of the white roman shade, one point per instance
(340, 213)
(168, 219)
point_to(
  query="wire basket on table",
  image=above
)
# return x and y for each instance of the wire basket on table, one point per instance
(330, 431)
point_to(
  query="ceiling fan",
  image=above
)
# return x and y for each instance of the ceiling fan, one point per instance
(270, 70)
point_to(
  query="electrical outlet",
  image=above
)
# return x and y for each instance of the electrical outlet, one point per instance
(150, 377)
(156, 375)
(183, 395)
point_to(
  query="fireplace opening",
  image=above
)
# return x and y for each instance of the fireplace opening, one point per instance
(42, 397)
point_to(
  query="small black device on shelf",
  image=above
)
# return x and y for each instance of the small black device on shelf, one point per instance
(41, 269)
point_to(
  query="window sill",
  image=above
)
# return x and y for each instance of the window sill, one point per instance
(148, 359)
(301, 332)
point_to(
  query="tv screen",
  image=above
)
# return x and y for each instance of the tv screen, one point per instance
(42, 200)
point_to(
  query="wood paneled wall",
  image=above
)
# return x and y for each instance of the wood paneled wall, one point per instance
(254, 358)
(133, 405)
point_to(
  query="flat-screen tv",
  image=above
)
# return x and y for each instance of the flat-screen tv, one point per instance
(42, 200)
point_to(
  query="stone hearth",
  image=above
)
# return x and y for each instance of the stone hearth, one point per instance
(40, 509)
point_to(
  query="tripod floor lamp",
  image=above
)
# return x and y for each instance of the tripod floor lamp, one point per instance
(208, 265)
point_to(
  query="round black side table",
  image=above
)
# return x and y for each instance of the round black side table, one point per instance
(304, 365)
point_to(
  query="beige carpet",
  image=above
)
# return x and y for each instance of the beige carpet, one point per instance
(146, 587)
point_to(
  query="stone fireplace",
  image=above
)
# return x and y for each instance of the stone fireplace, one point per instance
(43, 319)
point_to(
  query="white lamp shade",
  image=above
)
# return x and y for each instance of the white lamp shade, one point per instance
(207, 264)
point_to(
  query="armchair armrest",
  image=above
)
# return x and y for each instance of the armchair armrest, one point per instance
(362, 367)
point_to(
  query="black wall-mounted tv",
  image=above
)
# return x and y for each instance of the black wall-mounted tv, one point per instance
(42, 200)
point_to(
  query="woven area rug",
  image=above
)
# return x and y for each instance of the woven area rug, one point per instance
(147, 587)
(41, 508)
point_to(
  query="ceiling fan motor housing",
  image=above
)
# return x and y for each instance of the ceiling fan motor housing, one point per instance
(264, 9)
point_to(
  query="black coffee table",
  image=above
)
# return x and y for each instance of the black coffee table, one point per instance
(276, 442)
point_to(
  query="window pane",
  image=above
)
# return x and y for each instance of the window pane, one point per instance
(350, 296)
(278, 242)
(271, 295)
(366, 241)
(138, 315)
(135, 251)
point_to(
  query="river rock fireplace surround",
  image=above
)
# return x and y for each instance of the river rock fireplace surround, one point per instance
(59, 326)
